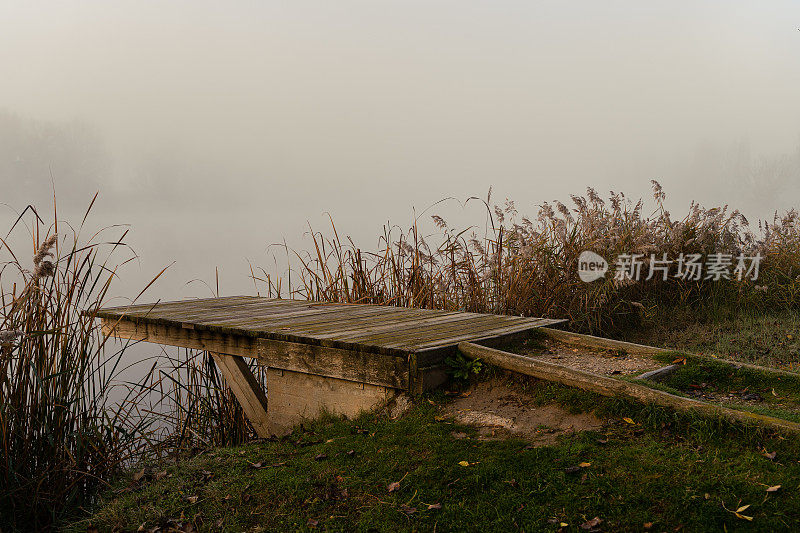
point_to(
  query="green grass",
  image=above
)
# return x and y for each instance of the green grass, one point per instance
(769, 339)
(668, 469)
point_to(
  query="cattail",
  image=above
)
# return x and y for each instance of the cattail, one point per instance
(44, 268)
(594, 197)
(45, 249)
(564, 210)
(9, 335)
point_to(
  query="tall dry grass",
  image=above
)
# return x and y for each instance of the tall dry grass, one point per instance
(528, 266)
(69, 422)
(194, 407)
(61, 435)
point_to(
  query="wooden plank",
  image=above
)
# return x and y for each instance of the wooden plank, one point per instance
(589, 341)
(195, 339)
(467, 329)
(280, 320)
(613, 387)
(295, 397)
(187, 313)
(431, 357)
(247, 390)
(364, 367)
(395, 326)
(136, 308)
(488, 334)
(318, 319)
(166, 307)
(407, 334)
(222, 312)
(384, 330)
(659, 373)
(392, 329)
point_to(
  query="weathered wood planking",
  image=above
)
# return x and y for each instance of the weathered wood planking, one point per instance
(356, 327)
(375, 369)
(343, 358)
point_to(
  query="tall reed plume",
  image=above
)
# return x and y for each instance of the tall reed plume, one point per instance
(528, 266)
(61, 436)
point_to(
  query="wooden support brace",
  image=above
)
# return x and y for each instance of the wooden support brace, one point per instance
(247, 390)
(613, 387)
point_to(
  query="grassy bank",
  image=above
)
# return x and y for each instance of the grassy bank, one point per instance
(751, 336)
(63, 438)
(647, 468)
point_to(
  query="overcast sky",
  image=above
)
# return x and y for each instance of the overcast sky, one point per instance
(216, 128)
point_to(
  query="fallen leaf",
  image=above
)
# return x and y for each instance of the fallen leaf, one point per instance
(463, 463)
(160, 475)
(262, 465)
(312, 523)
(742, 508)
(137, 477)
(434, 506)
(563, 524)
(679, 361)
(320, 457)
(585, 465)
(770, 455)
(408, 510)
(629, 421)
(351, 453)
(591, 524)
(192, 499)
(647, 525)
(744, 517)
(774, 488)
(393, 487)
(572, 469)
(141, 528)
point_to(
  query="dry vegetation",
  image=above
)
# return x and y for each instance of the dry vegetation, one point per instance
(69, 423)
(71, 417)
(525, 266)
(60, 434)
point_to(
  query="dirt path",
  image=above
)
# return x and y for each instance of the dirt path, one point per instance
(603, 362)
(499, 410)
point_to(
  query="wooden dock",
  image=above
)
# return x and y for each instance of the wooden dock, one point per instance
(343, 358)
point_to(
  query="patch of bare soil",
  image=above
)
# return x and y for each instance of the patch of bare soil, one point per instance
(499, 410)
(602, 362)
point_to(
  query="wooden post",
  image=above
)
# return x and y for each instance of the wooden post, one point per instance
(247, 390)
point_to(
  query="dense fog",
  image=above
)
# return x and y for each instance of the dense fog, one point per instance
(215, 129)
